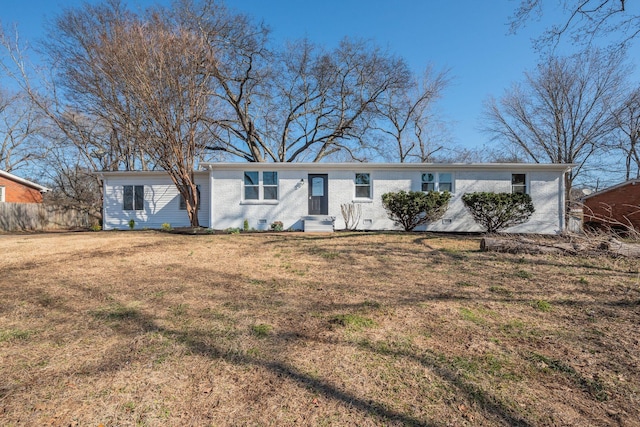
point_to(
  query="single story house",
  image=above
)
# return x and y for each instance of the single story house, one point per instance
(617, 207)
(14, 189)
(310, 196)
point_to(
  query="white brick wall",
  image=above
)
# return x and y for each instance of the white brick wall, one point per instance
(230, 211)
(223, 206)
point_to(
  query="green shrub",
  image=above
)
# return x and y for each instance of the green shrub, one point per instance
(245, 225)
(132, 224)
(95, 227)
(496, 211)
(277, 226)
(410, 209)
(166, 226)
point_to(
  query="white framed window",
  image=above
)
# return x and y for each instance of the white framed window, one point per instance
(437, 181)
(260, 185)
(1, 193)
(251, 186)
(519, 183)
(183, 203)
(270, 185)
(363, 186)
(133, 198)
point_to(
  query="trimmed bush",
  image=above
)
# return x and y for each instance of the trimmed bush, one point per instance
(496, 211)
(410, 209)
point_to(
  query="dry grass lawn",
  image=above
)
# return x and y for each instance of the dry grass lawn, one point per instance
(148, 328)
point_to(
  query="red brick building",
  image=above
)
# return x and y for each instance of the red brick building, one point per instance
(14, 189)
(617, 207)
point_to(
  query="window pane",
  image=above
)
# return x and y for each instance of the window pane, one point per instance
(251, 178)
(445, 177)
(518, 178)
(317, 187)
(270, 178)
(427, 186)
(362, 178)
(518, 189)
(445, 186)
(363, 191)
(251, 193)
(271, 193)
(128, 198)
(183, 203)
(139, 201)
(518, 183)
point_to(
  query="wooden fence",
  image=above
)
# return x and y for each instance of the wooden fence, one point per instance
(40, 217)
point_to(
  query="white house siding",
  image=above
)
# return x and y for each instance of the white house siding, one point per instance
(229, 209)
(161, 201)
(543, 186)
(222, 190)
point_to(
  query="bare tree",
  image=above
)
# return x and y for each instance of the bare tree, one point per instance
(134, 90)
(326, 101)
(302, 103)
(407, 118)
(627, 121)
(151, 74)
(21, 131)
(562, 112)
(72, 121)
(73, 186)
(583, 20)
(299, 103)
(164, 87)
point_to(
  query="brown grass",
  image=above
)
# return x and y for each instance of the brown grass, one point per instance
(148, 328)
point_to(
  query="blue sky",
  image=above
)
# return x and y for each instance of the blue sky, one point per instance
(467, 36)
(470, 37)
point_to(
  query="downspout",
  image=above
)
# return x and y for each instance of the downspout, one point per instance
(211, 206)
(562, 207)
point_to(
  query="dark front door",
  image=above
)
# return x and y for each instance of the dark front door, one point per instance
(318, 197)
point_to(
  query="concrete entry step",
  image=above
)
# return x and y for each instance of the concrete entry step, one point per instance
(318, 224)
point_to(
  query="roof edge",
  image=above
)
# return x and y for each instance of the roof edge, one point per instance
(40, 188)
(151, 173)
(635, 181)
(364, 166)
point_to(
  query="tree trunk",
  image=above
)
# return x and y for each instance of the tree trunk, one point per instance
(523, 245)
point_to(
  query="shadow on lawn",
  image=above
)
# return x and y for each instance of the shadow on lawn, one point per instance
(196, 342)
(133, 322)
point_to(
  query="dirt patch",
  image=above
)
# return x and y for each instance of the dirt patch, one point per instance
(150, 328)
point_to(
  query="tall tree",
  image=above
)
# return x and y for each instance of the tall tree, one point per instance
(407, 118)
(298, 103)
(627, 121)
(153, 76)
(561, 113)
(21, 131)
(305, 103)
(141, 83)
(164, 87)
(326, 101)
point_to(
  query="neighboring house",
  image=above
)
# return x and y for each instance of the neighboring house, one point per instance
(617, 207)
(14, 189)
(310, 195)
